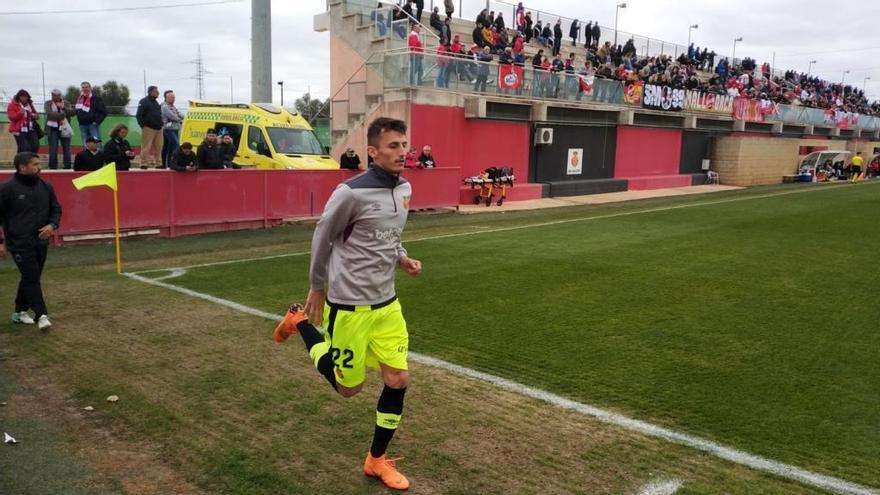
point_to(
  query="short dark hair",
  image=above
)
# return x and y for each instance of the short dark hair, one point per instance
(165, 94)
(187, 146)
(23, 158)
(150, 89)
(383, 124)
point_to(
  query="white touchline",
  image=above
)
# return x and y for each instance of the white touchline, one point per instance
(665, 487)
(508, 229)
(830, 483)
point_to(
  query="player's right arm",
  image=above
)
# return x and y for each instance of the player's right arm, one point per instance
(338, 215)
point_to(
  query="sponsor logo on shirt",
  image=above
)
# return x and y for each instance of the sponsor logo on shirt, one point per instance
(388, 234)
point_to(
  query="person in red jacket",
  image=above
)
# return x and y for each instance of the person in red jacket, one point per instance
(23, 122)
(415, 56)
(443, 65)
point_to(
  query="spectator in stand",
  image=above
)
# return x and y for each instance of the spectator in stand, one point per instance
(420, 7)
(518, 45)
(450, 7)
(482, 18)
(528, 27)
(555, 70)
(415, 56)
(58, 128)
(399, 21)
(491, 19)
(489, 36)
(722, 71)
(408, 11)
(597, 33)
(571, 83)
(557, 37)
(29, 214)
(499, 23)
(446, 31)
(210, 155)
(502, 41)
(90, 158)
(574, 31)
(171, 122)
(434, 21)
(478, 35)
(184, 160)
(588, 34)
(426, 159)
(117, 149)
(546, 67)
(483, 70)
(23, 122)
(90, 113)
(586, 73)
(379, 20)
(149, 117)
(349, 160)
(547, 36)
(519, 18)
(443, 66)
(537, 73)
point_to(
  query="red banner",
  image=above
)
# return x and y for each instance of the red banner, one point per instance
(586, 83)
(633, 91)
(510, 76)
(753, 110)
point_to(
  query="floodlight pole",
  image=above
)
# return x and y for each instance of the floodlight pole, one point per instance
(616, 12)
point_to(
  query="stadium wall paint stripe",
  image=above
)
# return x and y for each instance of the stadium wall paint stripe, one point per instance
(520, 227)
(788, 471)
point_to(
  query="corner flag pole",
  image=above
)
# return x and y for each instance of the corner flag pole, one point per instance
(104, 176)
(116, 221)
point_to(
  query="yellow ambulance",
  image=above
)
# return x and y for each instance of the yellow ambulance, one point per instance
(265, 136)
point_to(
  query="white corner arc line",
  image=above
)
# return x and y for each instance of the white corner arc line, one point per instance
(521, 227)
(176, 272)
(661, 487)
(788, 471)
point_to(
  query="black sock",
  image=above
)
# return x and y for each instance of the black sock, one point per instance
(327, 368)
(310, 334)
(388, 412)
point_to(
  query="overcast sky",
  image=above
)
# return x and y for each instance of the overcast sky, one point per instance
(97, 46)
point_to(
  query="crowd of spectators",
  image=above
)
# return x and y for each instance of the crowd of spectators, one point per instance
(493, 39)
(160, 128)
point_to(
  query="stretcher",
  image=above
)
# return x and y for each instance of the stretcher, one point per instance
(493, 180)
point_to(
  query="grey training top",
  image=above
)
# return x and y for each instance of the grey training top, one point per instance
(356, 246)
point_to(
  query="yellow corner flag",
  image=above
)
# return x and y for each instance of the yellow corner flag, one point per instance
(104, 176)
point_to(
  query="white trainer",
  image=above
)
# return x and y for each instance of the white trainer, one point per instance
(22, 317)
(43, 322)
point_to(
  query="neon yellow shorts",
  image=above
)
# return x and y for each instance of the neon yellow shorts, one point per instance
(366, 337)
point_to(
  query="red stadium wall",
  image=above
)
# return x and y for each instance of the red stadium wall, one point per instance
(649, 158)
(211, 200)
(470, 144)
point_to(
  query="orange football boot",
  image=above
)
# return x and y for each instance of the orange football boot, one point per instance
(287, 327)
(385, 470)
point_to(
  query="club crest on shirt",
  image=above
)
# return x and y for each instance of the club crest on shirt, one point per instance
(406, 202)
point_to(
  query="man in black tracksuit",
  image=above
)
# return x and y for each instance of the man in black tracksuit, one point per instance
(29, 214)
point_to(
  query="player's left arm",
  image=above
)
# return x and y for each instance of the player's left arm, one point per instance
(412, 267)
